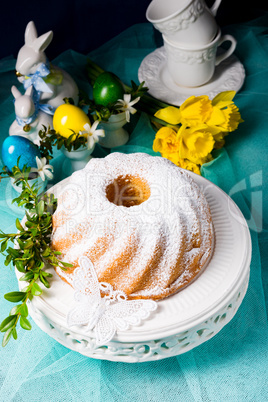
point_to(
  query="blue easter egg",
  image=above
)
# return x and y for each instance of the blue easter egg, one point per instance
(15, 146)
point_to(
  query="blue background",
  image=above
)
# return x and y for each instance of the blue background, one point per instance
(84, 25)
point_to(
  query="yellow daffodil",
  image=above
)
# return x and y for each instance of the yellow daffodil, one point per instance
(219, 136)
(196, 110)
(223, 99)
(232, 118)
(166, 141)
(196, 143)
(226, 119)
(193, 167)
(225, 114)
(203, 126)
(170, 114)
(173, 157)
(221, 112)
(182, 163)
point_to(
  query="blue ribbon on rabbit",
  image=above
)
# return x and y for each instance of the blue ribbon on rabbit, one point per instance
(36, 79)
(44, 107)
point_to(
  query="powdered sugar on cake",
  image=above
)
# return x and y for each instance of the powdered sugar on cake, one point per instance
(141, 220)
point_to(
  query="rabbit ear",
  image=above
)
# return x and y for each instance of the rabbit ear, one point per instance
(29, 91)
(30, 33)
(15, 92)
(41, 43)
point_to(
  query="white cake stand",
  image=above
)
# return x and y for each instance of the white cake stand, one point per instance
(182, 321)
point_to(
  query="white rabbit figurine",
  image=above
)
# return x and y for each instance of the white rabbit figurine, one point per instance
(32, 68)
(29, 117)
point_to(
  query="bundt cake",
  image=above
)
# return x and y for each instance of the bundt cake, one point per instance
(142, 221)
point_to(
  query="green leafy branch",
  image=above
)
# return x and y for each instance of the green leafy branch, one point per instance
(28, 249)
(49, 138)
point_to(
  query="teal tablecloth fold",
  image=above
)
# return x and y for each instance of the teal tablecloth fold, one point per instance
(232, 366)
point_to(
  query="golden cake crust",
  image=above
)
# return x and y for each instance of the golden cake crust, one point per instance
(141, 220)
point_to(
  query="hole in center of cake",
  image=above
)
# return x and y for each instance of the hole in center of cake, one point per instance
(128, 191)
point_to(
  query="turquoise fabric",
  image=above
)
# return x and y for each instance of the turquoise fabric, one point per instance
(232, 366)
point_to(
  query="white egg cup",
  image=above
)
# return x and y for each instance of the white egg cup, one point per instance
(76, 159)
(115, 134)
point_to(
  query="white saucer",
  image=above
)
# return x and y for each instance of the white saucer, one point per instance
(229, 75)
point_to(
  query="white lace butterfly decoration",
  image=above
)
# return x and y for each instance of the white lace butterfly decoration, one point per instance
(105, 315)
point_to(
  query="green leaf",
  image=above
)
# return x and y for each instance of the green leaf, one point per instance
(60, 143)
(34, 232)
(44, 281)
(40, 207)
(7, 337)
(14, 333)
(28, 244)
(29, 217)
(27, 277)
(25, 324)
(8, 323)
(40, 265)
(31, 264)
(47, 274)
(17, 200)
(24, 310)
(8, 260)
(28, 253)
(57, 252)
(30, 224)
(20, 266)
(13, 252)
(21, 244)
(19, 225)
(70, 139)
(14, 297)
(47, 252)
(66, 264)
(36, 290)
(4, 245)
(21, 203)
(36, 276)
(15, 309)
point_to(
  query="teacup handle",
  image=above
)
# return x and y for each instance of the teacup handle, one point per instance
(228, 52)
(215, 7)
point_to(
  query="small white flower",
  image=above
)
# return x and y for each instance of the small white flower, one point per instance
(93, 135)
(42, 169)
(126, 105)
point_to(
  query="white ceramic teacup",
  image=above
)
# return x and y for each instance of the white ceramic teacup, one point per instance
(187, 23)
(195, 67)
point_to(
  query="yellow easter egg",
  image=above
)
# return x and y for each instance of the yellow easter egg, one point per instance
(68, 119)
